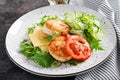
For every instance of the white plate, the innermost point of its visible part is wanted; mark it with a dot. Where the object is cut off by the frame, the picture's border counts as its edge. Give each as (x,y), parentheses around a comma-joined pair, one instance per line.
(18,31)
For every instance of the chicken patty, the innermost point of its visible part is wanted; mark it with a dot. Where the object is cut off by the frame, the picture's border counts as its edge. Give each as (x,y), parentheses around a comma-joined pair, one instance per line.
(52,26)
(56,49)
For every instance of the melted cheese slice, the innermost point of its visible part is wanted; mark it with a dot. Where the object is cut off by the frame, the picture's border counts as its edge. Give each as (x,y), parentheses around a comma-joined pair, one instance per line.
(37,39)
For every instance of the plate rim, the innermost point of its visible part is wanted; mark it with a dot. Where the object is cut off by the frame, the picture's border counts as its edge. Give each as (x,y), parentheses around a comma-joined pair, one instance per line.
(60,75)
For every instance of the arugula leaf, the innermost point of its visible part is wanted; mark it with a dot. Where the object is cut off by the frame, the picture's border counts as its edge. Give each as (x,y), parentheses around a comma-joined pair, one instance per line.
(35,54)
(43,59)
(26,48)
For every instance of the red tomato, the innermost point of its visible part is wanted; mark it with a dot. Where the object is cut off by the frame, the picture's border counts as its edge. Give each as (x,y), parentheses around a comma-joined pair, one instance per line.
(77,47)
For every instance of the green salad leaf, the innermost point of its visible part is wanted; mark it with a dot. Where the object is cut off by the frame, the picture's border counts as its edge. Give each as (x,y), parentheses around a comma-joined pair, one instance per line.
(94,43)
(85,25)
(26,48)
(45,18)
(42,58)
(35,54)
(73,21)
(30,30)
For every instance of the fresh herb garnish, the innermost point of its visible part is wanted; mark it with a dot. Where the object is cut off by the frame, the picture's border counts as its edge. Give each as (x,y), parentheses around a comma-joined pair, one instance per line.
(26,48)
(35,54)
(30,30)
(49,37)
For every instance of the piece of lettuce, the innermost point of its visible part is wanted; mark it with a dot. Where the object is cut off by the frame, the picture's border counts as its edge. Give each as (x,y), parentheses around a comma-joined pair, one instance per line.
(35,54)
(85,24)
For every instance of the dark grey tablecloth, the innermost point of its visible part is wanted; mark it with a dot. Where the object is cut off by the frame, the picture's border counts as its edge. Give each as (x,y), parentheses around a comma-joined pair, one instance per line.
(10,10)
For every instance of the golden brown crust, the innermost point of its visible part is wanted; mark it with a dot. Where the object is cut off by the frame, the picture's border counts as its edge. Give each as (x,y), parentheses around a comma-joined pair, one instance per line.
(56,49)
(57,25)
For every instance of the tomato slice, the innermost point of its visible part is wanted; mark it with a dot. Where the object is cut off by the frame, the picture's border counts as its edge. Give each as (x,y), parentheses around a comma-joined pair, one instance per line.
(77,47)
